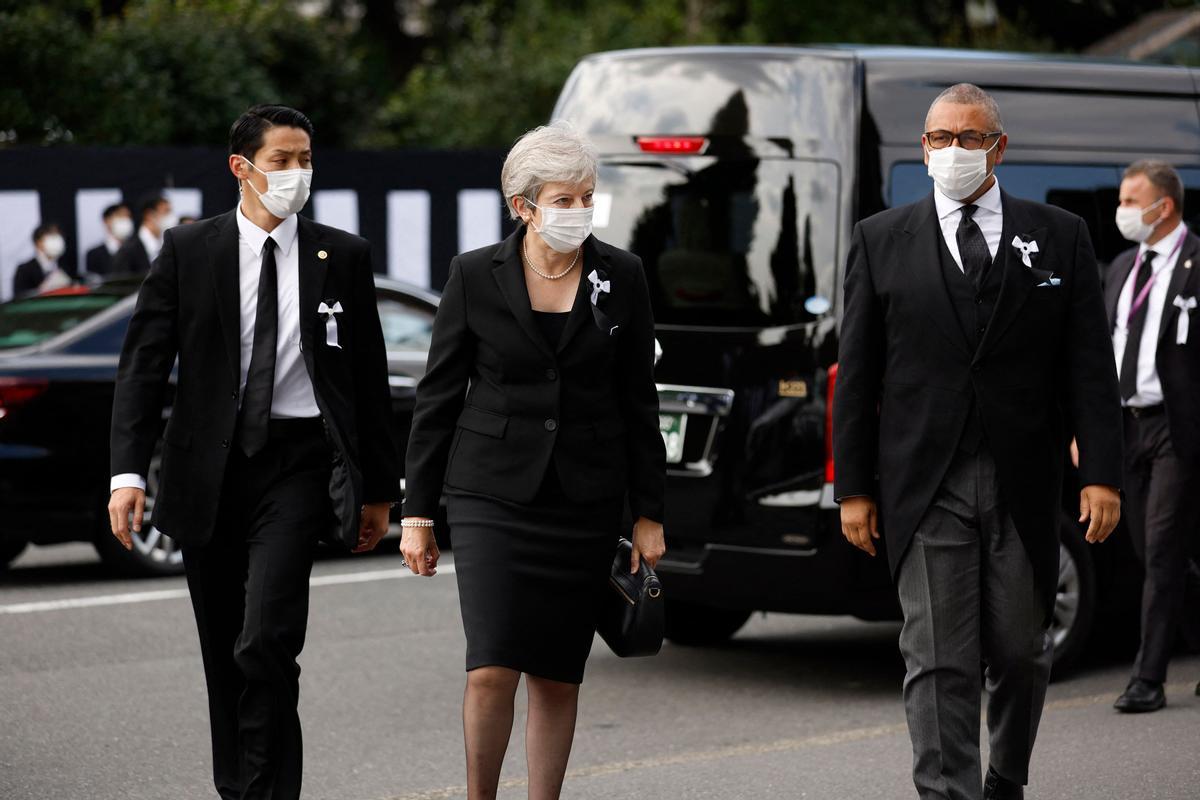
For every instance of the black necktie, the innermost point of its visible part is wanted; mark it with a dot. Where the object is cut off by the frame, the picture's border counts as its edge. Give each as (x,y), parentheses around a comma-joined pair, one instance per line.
(1137,322)
(260,380)
(972,247)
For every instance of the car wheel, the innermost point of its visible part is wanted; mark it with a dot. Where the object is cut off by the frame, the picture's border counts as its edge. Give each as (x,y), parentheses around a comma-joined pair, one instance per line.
(154,553)
(10,549)
(698,625)
(1074,600)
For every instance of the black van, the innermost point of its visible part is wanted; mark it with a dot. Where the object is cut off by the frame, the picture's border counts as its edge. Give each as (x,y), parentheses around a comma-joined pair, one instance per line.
(737,173)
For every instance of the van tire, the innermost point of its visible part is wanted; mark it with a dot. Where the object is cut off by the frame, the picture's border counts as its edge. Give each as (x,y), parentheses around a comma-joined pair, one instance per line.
(697,625)
(1075,598)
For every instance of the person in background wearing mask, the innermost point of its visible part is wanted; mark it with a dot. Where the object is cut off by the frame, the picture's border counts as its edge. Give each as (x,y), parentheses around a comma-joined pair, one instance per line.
(1151,292)
(973,346)
(118,227)
(138,252)
(538,415)
(42,273)
(281,429)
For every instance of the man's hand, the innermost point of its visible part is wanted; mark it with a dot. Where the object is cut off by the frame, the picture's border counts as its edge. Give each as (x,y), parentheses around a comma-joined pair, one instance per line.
(122,504)
(860,523)
(419,549)
(648,543)
(1101,505)
(372,526)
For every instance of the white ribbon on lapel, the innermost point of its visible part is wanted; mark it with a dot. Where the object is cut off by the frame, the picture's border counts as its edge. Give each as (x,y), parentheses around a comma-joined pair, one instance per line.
(1025,249)
(1185,306)
(331,326)
(598,286)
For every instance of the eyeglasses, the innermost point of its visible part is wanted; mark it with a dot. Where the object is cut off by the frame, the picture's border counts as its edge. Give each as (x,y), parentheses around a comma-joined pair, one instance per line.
(967,140)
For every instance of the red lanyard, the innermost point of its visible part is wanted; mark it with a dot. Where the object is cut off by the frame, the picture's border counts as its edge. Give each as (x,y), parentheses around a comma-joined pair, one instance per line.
(1140,300)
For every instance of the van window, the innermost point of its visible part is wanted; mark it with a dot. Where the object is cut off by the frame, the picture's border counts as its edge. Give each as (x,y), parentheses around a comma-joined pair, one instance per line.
(726,242)
(1087,190)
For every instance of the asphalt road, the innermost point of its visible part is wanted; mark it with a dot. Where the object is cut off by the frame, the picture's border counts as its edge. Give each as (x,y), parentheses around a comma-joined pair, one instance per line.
(102,696)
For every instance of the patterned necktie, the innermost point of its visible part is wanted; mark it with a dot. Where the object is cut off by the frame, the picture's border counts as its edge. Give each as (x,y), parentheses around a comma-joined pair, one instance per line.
(972,247)
(260,379)
(1137,323)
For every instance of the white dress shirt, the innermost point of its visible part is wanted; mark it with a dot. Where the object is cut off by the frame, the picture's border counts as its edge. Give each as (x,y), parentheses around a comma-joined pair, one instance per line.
(989,216)
(293,394)
(112,244)
(152,243)
(1149,387)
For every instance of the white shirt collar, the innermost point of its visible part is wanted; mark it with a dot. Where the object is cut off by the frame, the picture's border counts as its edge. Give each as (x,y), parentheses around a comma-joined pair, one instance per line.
(111,243)
(1165,245)
(990,201)
(45,262)
(151,242)
(254,236)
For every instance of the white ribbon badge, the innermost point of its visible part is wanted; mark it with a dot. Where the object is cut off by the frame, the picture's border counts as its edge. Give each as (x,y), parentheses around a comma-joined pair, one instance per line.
(331,325)
(1025,249)
(1185,306)
(598,286)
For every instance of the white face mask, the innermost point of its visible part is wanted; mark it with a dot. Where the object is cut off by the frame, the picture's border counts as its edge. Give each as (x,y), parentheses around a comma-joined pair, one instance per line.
(564,229)
(122,228)
(53,246)
(287,190)
(167,221)
(1129,222)
(959,172)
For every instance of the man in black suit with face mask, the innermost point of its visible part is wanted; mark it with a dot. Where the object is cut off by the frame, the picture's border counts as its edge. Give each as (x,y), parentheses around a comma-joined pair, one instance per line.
(280,433)
(973,346)
(1151,292)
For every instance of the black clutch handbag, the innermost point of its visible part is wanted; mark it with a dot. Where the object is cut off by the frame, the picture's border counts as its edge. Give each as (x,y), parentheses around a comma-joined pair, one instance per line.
(632,618)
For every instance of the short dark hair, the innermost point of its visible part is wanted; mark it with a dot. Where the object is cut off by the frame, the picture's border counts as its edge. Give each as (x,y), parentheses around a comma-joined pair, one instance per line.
(44,229)
(246,135)
(148,203)
(113,209)
(1162,176)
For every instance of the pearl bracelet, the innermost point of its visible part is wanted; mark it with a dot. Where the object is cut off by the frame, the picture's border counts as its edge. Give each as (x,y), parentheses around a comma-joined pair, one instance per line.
(416,523)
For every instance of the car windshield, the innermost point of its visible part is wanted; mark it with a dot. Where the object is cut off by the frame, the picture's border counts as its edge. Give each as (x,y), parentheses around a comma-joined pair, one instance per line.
(33,320)
(726,242)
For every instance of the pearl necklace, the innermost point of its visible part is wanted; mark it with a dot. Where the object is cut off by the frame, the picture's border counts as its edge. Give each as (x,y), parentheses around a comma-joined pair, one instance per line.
(563,274)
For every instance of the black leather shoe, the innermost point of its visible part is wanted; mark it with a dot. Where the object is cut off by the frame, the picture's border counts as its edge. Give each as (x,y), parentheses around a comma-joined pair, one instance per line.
(997,788)
(1141,696)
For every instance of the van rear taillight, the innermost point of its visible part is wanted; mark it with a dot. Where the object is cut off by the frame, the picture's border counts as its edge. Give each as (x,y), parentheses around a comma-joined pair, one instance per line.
(676,145)
(16,392)
(829,386)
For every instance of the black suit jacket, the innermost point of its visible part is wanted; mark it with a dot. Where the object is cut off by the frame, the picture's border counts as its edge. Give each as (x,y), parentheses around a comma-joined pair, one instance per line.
(189,307)
(906,377)
(28,278)
(1178,365)
(99,261)
(132,258)
(497,405)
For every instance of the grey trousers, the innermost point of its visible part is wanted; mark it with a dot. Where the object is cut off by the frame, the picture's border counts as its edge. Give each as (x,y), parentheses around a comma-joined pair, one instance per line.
(967,590)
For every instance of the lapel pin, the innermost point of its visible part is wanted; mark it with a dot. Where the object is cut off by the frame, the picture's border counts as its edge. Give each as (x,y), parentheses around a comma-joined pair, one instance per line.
(321,254)
(1187,264)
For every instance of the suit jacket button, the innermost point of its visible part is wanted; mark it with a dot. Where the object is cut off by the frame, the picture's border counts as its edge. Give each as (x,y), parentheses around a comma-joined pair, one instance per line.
(225,443)
(551,375)
(234,394)
(976,368)
(551,425)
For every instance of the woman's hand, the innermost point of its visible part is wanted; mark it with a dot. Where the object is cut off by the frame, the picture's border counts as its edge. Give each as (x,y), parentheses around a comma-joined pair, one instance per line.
(419,548)
(648,543)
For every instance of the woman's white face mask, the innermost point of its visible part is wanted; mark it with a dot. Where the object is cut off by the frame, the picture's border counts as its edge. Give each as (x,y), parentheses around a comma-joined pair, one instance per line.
(287,190)
(563,229)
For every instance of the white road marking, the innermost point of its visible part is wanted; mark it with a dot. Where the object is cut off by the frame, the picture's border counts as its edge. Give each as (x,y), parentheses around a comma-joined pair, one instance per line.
(96,601)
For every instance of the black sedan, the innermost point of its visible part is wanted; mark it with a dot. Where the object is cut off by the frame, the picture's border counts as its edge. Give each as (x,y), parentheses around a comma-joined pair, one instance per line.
(58,363)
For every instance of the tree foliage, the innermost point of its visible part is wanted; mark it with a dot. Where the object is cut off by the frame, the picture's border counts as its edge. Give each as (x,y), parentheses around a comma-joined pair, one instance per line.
(428,73)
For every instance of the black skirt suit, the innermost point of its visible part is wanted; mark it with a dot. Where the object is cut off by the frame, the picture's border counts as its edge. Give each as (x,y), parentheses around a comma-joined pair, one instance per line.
(538,427)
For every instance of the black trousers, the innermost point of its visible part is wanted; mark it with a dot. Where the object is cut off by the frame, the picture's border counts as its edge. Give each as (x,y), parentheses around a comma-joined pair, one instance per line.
(1162,509)
(249,589)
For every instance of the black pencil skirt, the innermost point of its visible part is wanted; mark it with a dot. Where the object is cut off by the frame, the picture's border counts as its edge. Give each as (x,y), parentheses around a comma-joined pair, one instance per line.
(531,578)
